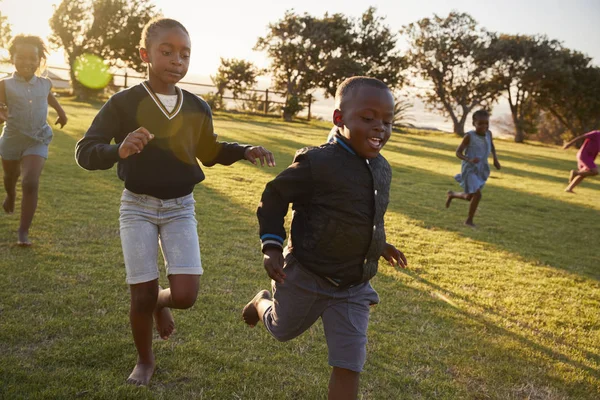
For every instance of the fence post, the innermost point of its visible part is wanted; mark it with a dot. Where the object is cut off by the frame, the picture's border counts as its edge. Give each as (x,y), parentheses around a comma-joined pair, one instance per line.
(266,102)
(125,83)
(309,104)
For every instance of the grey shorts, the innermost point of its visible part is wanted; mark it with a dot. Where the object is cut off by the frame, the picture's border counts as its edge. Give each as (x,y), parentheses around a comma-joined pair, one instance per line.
(16,146)
(304,297)
(145,223)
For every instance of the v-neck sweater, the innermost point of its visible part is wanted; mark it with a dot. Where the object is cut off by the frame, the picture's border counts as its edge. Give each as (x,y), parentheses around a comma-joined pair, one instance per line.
(168,166)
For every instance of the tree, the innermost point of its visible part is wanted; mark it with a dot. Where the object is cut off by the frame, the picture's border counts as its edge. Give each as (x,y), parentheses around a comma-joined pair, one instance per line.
(522,66)
(235,75)
(110,29)
(370,49)
(453,53)
(5,30)
(298,46)
(570,92)
(307,53)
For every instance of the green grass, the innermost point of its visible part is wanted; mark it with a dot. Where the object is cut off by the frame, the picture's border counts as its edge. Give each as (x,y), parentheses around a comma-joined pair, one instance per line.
(506,311)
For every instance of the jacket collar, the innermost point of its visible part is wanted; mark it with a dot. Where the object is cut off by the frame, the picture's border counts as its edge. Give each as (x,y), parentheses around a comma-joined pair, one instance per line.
(336,137)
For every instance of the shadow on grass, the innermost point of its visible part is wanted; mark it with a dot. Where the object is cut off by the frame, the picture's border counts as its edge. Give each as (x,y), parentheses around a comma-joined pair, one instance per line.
(539,229)
(440,344)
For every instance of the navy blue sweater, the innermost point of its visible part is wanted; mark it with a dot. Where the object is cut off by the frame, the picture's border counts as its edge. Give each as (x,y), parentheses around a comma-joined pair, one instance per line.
(168,166)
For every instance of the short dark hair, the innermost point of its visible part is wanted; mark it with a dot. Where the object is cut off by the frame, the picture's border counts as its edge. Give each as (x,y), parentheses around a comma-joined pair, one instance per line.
(349,85)
(154,25)
(480,114)
(35,41)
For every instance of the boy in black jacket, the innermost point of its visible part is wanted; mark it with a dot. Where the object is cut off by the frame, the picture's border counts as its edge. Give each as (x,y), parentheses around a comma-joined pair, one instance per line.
(339,193)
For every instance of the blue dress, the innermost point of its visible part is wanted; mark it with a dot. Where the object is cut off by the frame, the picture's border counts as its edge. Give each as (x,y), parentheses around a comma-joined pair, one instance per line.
(472,177)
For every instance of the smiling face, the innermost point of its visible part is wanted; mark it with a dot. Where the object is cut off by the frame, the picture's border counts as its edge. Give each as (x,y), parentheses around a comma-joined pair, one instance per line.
(168,58)
(26,60)
(365,118)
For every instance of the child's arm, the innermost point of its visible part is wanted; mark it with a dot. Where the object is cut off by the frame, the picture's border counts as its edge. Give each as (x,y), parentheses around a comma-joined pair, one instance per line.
(211,152)
(496,162)
(460,151)
(94,150)
(62,116)
(293,185)
(391,254)
(572,142)
(3,105)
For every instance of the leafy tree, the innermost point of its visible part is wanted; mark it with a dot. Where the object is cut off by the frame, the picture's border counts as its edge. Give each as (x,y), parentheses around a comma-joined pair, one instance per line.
(370,50)
(570,92)
(298,46)
(523,64)
(235,75)
(5,30)
(110,29)
(307,53)
(454,54)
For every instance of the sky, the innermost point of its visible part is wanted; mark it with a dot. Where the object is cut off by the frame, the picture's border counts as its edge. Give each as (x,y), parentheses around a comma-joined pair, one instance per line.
(231,28)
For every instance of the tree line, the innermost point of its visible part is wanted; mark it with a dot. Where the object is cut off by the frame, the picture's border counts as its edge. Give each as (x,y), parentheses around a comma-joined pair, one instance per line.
(464,65)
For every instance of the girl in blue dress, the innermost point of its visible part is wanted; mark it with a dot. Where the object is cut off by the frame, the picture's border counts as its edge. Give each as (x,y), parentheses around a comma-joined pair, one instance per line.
(475,170)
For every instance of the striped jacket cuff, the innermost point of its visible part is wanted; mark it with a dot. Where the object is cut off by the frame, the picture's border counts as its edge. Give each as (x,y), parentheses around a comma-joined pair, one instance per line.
(269,240)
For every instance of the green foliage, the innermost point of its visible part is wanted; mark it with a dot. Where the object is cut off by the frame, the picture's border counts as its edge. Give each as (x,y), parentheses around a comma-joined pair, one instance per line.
(522,66)
(402,116)
(570,92)
(235,75)
(308,52)
(214,100)
(454,55)
(5,30)
(110,29)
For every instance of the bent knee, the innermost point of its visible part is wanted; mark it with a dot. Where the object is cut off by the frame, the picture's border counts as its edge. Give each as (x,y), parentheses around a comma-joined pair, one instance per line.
(183,300)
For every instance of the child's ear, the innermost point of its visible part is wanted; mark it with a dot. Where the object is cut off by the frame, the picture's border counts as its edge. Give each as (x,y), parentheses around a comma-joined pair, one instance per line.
(144,55)
(338,119)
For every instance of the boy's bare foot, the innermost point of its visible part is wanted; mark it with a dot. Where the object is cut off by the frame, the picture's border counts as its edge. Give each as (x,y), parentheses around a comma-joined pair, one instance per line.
(9,204)
(470,224)
(141,374)
(23,240)
(569,191)
(449,194)
(250,312)
(571,175)
(164,322)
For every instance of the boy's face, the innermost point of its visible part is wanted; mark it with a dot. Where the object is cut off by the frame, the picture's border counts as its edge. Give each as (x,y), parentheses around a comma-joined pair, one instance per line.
(481,125)
(365,118)
(168,57)
(26,60)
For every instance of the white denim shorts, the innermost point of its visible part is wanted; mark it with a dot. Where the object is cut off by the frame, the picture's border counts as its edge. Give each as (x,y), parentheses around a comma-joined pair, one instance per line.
(146,222)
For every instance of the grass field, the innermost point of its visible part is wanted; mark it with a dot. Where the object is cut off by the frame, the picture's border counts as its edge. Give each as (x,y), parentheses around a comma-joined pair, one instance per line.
(510,310)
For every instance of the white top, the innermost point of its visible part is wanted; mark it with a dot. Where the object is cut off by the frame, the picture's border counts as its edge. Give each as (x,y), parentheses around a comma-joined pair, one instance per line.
(168,100)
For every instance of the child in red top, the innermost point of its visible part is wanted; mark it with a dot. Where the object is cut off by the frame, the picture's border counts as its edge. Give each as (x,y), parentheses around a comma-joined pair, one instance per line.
(585,158)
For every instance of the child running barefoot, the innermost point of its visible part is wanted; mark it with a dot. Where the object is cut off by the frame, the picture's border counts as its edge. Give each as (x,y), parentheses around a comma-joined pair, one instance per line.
(585,159)
(474,151)
(24,100)
(160,133)
(339,193)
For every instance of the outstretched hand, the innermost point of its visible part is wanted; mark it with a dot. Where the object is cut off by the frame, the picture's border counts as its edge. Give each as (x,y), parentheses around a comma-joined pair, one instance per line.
(259,152)
(135,142)
(391,254)
(273,262)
